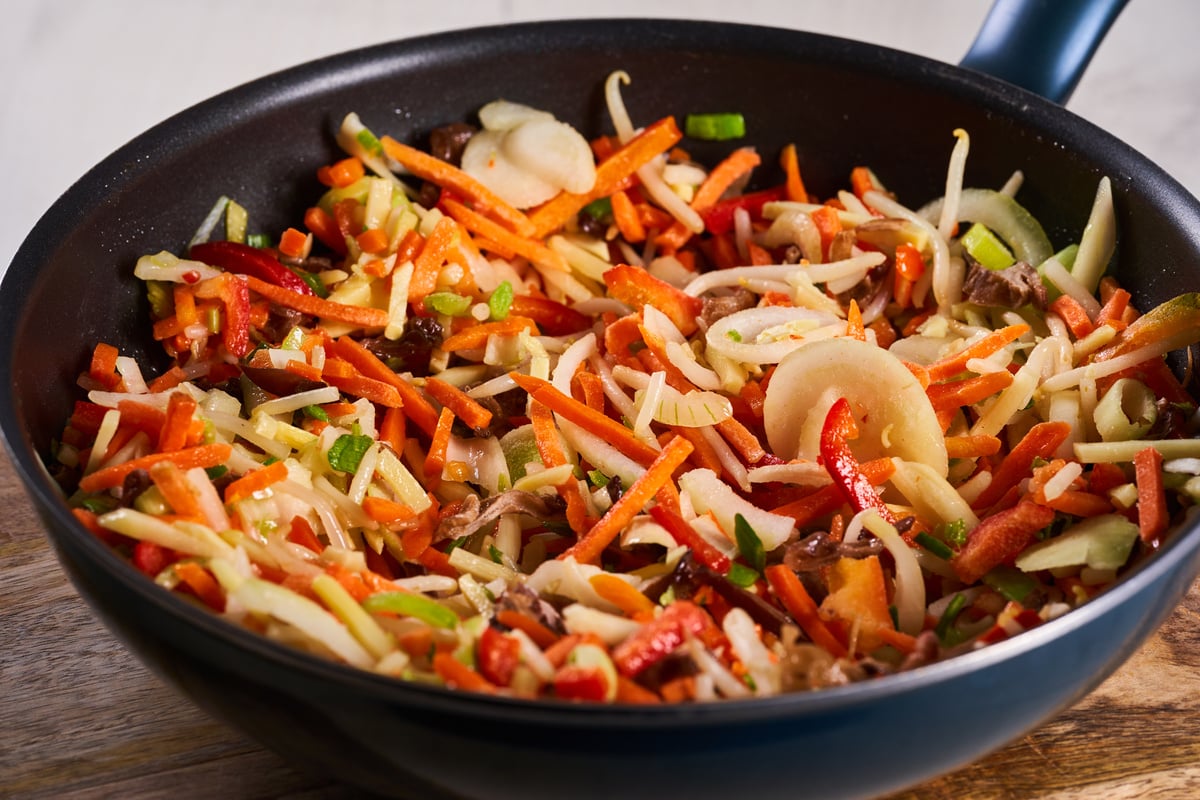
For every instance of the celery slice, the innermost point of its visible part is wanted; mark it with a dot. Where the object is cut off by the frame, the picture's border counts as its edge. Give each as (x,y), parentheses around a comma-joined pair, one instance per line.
(986,248)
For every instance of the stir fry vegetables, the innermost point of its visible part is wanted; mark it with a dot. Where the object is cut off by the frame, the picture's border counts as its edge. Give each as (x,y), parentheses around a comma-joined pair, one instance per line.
(529,414)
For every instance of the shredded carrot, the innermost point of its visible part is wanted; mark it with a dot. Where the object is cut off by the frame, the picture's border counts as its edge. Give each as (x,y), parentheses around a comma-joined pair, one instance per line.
(542,636)
(1113,311)
(588,548)
(310,304)
(854,322)
(800,605)
(703,454)
(373,241)
(1077,503)
(464,407)
(458,675)
(255,481)
(202,584)
(742,439)
(966,392)
(593,390)
(180,409)
(791,171)
(829,225)
(601,425)
(621,594)
(175,489)
(722,176)
(294,243)
(1073,314)
(476,336)
(550,451)
(387,511)
(416,407)
(628,691)
(862,181)
(392,429)
(435,459)
(626,217)
(341,173)
(450,177)
(972,446)
(1040,442)
(209,455)
(989,344)
(303,369)
(1152,499)
(168,380)
(367,388)
(999,537)
(610,174)
(103,368)
(428,263)
(531,249)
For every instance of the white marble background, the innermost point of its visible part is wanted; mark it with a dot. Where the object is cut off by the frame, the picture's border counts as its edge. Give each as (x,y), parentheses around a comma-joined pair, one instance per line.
(79,78)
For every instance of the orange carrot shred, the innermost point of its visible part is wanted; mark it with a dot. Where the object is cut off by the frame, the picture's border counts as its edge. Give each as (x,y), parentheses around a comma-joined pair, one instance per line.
(180,409)
(175,489)
(588,548)
(791,170)
(1152,500)
(208,455)
(255,481)
(800,605)
(989,344)
(626,217)
(463,406)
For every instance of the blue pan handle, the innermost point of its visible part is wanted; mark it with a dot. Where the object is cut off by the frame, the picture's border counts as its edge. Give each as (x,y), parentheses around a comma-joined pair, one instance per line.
(1042,45)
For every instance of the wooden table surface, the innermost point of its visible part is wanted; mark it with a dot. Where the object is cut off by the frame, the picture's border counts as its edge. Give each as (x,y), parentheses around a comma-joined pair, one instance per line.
(80,717)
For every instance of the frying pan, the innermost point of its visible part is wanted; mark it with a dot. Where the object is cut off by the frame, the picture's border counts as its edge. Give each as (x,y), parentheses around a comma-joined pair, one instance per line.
(844,104)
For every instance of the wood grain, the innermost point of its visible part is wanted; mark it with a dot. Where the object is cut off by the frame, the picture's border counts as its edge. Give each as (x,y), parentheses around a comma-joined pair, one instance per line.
(81,718)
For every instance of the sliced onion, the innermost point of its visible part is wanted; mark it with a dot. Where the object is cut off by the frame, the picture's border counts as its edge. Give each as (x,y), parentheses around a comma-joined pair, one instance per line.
(749,324)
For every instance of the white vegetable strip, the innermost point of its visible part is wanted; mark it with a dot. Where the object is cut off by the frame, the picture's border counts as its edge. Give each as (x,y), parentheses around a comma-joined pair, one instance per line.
(947,280)
(954,184)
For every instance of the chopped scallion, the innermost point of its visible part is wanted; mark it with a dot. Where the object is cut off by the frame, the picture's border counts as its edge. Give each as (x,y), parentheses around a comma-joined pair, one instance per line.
(934,545)
(315,412)
(347,451)
(259,240)
(741,575)
(957,603)
(448,303)
(715,127)
(500,301)
(749,544)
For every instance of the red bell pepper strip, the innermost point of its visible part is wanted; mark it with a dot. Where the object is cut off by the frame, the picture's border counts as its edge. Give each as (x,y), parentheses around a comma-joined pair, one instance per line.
(657,639)
(234,294)
(686,535)
(246,260)
(552,317)
(999,538)
(576,682)
(843,467)
(636,287)
(718,219)
(151,559)
(499,654)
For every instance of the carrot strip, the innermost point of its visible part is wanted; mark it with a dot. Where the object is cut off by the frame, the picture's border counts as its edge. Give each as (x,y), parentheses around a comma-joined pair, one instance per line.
(341,173)
(998,538)
(367,388)
(361,316)
(829,225)
(854,322)
(448,176)
(392,429)
(588,548)
(972,446)
(476,336)
(1077,503)
(373,241)
(626,217)
(628,691)
(175,489)
(1040,442)
(1113,311)
(255,481)
(742,439)
(954,364)
(140,416)
(416,407)
(202,584)
(722,176)
(621,594)
(387,511)
(208,455)
(180,410)
(542,636)
(531,249)
(610,174)
(593,390)
(303,369)
(429,260)
(103,368)
(791,171)
(968,391)
(703,453)
(605,427)
(168,380)
(458,675)
(800,605)
(464,407)
(550,450)
(435,459)
(1073,314)
(1152,499)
